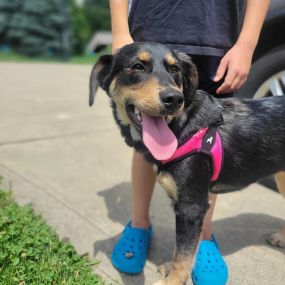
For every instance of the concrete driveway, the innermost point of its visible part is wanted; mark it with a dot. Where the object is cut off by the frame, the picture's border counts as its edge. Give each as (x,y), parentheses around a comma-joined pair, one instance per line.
(70,162)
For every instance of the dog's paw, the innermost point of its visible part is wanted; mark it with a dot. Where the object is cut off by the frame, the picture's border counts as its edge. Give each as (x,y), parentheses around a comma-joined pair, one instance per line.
(161,282)
(277,239)
(164,269)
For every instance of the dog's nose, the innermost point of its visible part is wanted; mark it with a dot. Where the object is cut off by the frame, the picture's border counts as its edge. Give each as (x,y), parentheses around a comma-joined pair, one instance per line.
(172,101)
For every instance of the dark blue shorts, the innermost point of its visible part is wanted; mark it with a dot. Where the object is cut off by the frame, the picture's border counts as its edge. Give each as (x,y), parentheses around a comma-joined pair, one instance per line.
(207,67)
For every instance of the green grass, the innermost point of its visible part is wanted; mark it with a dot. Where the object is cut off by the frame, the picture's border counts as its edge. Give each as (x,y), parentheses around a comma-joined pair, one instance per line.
(32,254)
(83,59)
(86,59)
(76,59)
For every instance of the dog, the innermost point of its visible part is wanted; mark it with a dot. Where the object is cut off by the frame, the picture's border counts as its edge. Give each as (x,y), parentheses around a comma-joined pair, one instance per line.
(157,106)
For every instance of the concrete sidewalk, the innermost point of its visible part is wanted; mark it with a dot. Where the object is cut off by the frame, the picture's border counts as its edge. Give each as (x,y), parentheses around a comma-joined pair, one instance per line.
(71,163)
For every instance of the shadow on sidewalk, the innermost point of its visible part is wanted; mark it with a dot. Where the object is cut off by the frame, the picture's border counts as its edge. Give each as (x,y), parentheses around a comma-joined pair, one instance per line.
(236,233)
(232,233)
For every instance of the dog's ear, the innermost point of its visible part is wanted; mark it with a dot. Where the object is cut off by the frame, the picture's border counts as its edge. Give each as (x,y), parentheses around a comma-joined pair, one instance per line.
(190,78)
(99,76)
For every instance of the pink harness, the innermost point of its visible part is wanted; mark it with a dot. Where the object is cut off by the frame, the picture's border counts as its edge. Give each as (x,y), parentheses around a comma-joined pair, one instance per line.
(207,141)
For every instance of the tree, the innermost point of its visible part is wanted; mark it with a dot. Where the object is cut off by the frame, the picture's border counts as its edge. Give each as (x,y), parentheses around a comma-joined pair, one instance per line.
(80,28)
(31,27)
(94,15)
(98,14)
(38,27)
(7,8)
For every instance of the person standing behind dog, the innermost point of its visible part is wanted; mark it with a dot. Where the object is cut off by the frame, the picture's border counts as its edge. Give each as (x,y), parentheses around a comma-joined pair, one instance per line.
(220,36)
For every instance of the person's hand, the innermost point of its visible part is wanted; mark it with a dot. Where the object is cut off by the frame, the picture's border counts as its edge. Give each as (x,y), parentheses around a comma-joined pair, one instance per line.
(120,41)
(235,64)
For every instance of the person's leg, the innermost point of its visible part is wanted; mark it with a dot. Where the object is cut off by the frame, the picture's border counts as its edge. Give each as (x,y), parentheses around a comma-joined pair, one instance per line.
(208,250)
(207,224)
(207,66)
(130,252)
(143,180)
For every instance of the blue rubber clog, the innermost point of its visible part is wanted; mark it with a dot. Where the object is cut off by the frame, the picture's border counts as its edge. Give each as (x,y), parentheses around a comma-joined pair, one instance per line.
(130,252)
(209,267)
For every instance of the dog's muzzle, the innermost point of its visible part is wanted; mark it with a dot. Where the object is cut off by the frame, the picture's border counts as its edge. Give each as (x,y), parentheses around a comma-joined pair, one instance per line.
(171,100)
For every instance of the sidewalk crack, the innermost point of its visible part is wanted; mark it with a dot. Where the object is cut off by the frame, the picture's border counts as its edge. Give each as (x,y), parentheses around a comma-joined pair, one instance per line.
(68,206)
(30,140)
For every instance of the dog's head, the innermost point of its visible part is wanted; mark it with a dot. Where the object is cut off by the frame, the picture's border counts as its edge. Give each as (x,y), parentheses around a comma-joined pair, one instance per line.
(150,85)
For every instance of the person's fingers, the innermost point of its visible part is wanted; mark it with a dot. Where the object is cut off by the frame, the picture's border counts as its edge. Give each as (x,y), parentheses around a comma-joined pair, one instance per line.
(226,86)
(221,69)
(237,83)
(223,88)
(244,80)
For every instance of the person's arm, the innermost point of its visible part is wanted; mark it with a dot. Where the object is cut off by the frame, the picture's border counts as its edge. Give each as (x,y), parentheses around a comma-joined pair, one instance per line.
(238,59)
(120,26)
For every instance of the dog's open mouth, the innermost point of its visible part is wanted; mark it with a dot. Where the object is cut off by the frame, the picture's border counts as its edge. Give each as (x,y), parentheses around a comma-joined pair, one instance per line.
(134,115)
(157,136)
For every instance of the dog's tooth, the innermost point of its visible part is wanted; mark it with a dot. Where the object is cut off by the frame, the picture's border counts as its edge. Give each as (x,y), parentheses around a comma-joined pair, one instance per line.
(137,112)
(169,119)
(139,117)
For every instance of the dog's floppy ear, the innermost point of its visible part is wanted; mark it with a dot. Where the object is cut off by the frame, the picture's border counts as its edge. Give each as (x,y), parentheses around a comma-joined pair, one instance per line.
(190,78)
(99,75)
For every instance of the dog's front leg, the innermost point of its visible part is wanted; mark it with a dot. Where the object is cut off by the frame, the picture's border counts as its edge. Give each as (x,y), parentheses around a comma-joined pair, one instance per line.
(189,220)
(188,229)
(190,209)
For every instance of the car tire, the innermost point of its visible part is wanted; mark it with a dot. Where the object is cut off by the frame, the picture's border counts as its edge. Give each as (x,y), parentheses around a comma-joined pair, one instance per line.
(265,67)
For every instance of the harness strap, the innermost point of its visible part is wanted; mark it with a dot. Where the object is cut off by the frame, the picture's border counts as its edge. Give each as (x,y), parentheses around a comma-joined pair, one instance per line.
(206,141)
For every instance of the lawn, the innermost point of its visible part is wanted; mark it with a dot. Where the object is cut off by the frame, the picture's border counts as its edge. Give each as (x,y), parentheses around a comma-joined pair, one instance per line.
(82,59)
(32,254)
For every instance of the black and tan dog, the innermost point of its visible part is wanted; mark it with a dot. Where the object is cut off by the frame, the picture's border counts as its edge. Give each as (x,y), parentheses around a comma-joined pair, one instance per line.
(155,103)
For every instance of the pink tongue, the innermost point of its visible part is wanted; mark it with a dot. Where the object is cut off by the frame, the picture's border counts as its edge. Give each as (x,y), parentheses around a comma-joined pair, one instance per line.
(158,137)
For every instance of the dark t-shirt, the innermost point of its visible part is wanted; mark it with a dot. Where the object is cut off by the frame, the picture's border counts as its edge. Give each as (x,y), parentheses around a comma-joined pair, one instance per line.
(203,27)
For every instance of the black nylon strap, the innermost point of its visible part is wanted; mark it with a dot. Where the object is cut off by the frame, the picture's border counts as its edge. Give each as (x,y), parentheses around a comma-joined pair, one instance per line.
(209,140)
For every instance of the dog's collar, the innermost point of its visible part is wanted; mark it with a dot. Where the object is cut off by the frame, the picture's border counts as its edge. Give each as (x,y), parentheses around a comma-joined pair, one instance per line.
(206,141)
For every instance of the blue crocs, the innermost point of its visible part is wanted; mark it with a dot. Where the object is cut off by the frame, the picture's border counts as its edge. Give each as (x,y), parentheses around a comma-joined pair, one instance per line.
(130,252)
(210,267)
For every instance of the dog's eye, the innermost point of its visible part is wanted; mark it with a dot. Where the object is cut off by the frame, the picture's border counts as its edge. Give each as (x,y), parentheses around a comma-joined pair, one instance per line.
(138,66)
(174,69)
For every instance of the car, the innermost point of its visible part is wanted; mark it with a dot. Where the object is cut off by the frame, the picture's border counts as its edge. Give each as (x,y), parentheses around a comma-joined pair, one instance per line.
(267,74)
(99,41)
